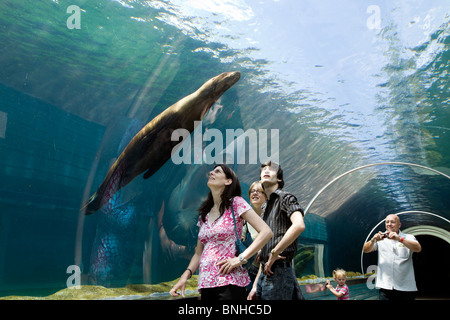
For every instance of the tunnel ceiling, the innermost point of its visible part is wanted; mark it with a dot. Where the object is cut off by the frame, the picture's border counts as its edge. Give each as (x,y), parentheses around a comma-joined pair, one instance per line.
(343,88)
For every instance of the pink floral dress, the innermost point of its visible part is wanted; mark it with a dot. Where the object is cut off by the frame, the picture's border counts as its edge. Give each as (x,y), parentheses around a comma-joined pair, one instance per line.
(218,239)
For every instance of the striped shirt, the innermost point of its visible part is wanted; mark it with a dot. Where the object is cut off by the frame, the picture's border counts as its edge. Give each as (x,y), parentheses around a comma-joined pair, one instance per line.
(277,212)
(344,290)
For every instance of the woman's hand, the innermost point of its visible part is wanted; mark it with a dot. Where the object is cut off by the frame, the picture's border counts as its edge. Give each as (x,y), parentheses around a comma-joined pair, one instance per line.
(180,285)
(228,265)
(252,294)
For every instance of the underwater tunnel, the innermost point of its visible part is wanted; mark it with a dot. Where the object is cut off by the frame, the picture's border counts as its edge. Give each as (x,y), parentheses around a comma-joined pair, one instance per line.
(352,100)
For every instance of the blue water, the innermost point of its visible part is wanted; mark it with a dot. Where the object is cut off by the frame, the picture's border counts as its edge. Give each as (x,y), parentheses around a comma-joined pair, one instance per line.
(346,83)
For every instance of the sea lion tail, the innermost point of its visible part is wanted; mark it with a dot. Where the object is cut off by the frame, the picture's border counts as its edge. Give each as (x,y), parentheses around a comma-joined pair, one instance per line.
(112,183)
(93,204)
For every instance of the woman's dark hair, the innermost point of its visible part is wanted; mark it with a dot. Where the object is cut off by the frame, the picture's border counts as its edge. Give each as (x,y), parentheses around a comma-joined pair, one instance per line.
(230,191)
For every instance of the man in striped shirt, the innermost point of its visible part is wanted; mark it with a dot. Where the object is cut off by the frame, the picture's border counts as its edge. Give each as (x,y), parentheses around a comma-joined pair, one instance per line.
(283,214)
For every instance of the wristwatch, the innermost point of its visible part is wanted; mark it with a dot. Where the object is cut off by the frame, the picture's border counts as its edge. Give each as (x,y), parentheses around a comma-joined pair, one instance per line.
(272,252)
(242,259)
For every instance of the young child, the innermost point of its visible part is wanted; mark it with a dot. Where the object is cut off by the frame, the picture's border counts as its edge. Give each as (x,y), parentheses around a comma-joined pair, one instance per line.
(341,292)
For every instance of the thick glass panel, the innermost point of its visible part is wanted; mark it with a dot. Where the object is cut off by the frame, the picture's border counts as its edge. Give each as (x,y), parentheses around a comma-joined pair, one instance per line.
(326,88)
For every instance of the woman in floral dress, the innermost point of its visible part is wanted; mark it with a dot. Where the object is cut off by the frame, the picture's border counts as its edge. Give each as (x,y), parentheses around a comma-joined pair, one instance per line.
(221,275)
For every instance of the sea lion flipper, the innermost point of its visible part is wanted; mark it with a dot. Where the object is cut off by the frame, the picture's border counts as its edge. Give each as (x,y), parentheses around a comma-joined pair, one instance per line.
(148,174)
(92,205)
(112,183)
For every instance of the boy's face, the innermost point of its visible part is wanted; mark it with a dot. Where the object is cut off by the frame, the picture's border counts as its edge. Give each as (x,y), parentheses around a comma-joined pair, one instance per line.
(269,176)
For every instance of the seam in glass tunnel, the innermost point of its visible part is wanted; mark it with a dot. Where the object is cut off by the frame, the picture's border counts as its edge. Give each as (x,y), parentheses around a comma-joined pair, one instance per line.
(81,215)
(372,165)
(135,105)
(426,230)
(367,166)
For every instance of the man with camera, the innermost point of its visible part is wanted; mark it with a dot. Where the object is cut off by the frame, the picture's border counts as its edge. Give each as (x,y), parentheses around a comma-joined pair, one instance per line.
(395,272)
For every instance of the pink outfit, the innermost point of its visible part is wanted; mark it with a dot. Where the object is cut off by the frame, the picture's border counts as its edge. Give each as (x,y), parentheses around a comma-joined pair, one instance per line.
(344,290)
(218,239)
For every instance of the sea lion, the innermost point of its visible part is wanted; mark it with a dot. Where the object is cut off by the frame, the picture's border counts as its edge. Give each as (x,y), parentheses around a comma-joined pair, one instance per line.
(151,147)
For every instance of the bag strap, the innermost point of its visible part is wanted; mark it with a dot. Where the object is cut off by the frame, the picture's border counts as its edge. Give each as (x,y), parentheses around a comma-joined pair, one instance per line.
(234,219)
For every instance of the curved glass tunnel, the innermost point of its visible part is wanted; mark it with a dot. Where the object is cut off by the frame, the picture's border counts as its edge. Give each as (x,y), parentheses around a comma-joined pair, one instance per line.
(325,88)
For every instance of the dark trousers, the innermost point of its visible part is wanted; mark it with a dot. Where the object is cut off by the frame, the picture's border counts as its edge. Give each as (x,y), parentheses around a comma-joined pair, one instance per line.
(229,292)
(385,294)
(281,285)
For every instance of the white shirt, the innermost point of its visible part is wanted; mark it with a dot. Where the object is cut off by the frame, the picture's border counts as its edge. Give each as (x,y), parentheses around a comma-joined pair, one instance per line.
(395,266)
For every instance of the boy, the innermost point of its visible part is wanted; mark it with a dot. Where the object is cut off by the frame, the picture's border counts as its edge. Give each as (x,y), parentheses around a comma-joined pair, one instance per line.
(283,214)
